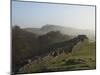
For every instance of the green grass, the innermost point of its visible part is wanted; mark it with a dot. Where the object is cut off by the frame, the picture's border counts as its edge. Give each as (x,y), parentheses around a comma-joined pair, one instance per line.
(82,57)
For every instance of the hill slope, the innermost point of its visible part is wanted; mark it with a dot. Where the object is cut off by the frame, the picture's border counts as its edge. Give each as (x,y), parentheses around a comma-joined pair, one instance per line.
(64,30)
(82,57)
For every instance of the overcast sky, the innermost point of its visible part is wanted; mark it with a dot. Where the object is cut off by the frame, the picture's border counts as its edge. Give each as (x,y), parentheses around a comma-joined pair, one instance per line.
(30,14)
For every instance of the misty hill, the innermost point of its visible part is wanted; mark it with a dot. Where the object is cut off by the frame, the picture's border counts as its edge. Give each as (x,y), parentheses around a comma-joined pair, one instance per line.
(65,30)
(26,45)
(34,30)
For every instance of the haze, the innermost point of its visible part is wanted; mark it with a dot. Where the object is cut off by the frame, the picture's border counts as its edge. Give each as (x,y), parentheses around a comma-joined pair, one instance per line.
(36,15)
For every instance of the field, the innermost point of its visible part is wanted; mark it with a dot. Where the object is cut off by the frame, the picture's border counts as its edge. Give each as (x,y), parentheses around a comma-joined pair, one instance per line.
(81,58)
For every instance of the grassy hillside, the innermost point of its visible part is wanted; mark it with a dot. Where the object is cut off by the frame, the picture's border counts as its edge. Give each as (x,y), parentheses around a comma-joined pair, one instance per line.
(82,57)
(86,49)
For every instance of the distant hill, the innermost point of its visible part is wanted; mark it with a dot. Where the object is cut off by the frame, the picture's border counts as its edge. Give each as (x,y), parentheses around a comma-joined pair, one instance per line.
(34,30)
(65,30)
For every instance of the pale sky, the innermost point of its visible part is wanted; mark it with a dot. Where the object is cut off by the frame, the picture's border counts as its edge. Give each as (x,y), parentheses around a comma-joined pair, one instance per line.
(36,15)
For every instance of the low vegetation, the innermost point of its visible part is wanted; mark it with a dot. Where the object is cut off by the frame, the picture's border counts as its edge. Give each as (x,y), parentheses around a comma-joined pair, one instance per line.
(48,52)
(81,59)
